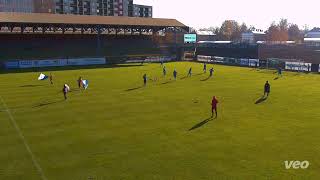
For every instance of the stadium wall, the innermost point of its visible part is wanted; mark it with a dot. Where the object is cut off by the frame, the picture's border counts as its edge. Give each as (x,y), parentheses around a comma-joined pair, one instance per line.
(228,50)
(291,57)
(23,64)
(304,53)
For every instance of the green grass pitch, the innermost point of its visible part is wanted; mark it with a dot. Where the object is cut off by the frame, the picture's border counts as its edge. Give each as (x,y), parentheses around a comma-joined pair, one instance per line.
(118,130)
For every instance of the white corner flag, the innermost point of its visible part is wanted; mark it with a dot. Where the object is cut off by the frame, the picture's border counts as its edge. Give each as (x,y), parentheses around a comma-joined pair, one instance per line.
(42,77)
(85,83)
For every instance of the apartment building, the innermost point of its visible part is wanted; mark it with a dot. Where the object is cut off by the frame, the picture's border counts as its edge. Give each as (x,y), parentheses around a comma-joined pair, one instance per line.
(25,6)
(142,10)
(78,7)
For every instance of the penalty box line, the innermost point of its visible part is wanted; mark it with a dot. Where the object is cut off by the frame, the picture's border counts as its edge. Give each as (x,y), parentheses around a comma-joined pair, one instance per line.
(14,123)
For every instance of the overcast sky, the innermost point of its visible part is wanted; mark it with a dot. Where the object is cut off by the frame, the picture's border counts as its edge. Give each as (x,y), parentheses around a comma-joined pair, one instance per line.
(259,13)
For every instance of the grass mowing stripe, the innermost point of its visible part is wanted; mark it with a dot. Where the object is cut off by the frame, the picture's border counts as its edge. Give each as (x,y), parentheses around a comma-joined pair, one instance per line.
(35,162)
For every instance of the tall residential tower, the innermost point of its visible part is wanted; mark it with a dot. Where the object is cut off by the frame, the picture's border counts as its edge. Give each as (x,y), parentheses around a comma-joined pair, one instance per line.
(78,7)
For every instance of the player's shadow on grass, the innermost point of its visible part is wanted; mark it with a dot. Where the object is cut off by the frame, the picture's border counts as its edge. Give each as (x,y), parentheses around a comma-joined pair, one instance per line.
(167,82)
(206,79)
(201,124)
(72,91)
(276,78)
(136,88)
(75,90)
(47,104)
(198,74)
(31,85)
(261,100)
(188,76)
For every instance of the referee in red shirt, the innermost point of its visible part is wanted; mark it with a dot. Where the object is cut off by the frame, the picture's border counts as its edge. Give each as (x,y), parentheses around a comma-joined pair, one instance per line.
(214,103)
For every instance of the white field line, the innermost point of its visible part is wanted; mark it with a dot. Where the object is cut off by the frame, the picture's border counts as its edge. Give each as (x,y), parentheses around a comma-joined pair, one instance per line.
(14,123)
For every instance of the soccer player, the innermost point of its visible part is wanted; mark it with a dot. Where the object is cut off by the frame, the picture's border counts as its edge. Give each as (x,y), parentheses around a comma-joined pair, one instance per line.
(80,82)
(204,67)
(145,79)
(211,72)
(175,73)
(279,71)
(214,103)
(190,72)
(164,71)
(51,78)
(65,91)
(267,89)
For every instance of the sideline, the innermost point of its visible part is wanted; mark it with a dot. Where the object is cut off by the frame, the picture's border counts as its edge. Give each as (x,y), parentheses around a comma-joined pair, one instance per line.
(14,123)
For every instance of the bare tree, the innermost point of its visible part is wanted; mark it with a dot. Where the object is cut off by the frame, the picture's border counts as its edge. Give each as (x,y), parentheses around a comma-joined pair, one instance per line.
(192,30)
(295,34)
(243,28)
(210,29)
(284,26)
(278,32)
(230,30)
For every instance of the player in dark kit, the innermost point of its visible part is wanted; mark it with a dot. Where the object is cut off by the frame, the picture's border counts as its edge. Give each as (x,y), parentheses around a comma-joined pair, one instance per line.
(145,79)
(175,73)
(279,71)
(267,89)
(204,67)
(214,103)
(51,78)
(211,72)
(190,72)
(80,82)
(164,71)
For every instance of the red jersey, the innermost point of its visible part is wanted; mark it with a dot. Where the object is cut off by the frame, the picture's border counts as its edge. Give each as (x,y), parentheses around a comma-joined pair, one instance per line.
(214,103)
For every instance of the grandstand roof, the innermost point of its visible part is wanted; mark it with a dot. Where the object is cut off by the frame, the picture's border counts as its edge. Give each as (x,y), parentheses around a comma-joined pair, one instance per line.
(37,18)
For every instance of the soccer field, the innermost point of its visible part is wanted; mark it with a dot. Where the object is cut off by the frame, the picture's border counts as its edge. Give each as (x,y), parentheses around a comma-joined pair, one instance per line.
(119,130)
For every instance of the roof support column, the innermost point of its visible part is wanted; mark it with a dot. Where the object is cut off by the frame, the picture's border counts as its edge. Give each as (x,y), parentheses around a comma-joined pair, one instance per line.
(63,29)
(22,28)
(44,29)
(98,40)
(11,27)
(175,41)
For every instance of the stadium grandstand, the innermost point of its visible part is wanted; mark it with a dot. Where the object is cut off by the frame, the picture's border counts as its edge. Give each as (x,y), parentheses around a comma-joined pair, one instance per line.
(29,36)
(42,36)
